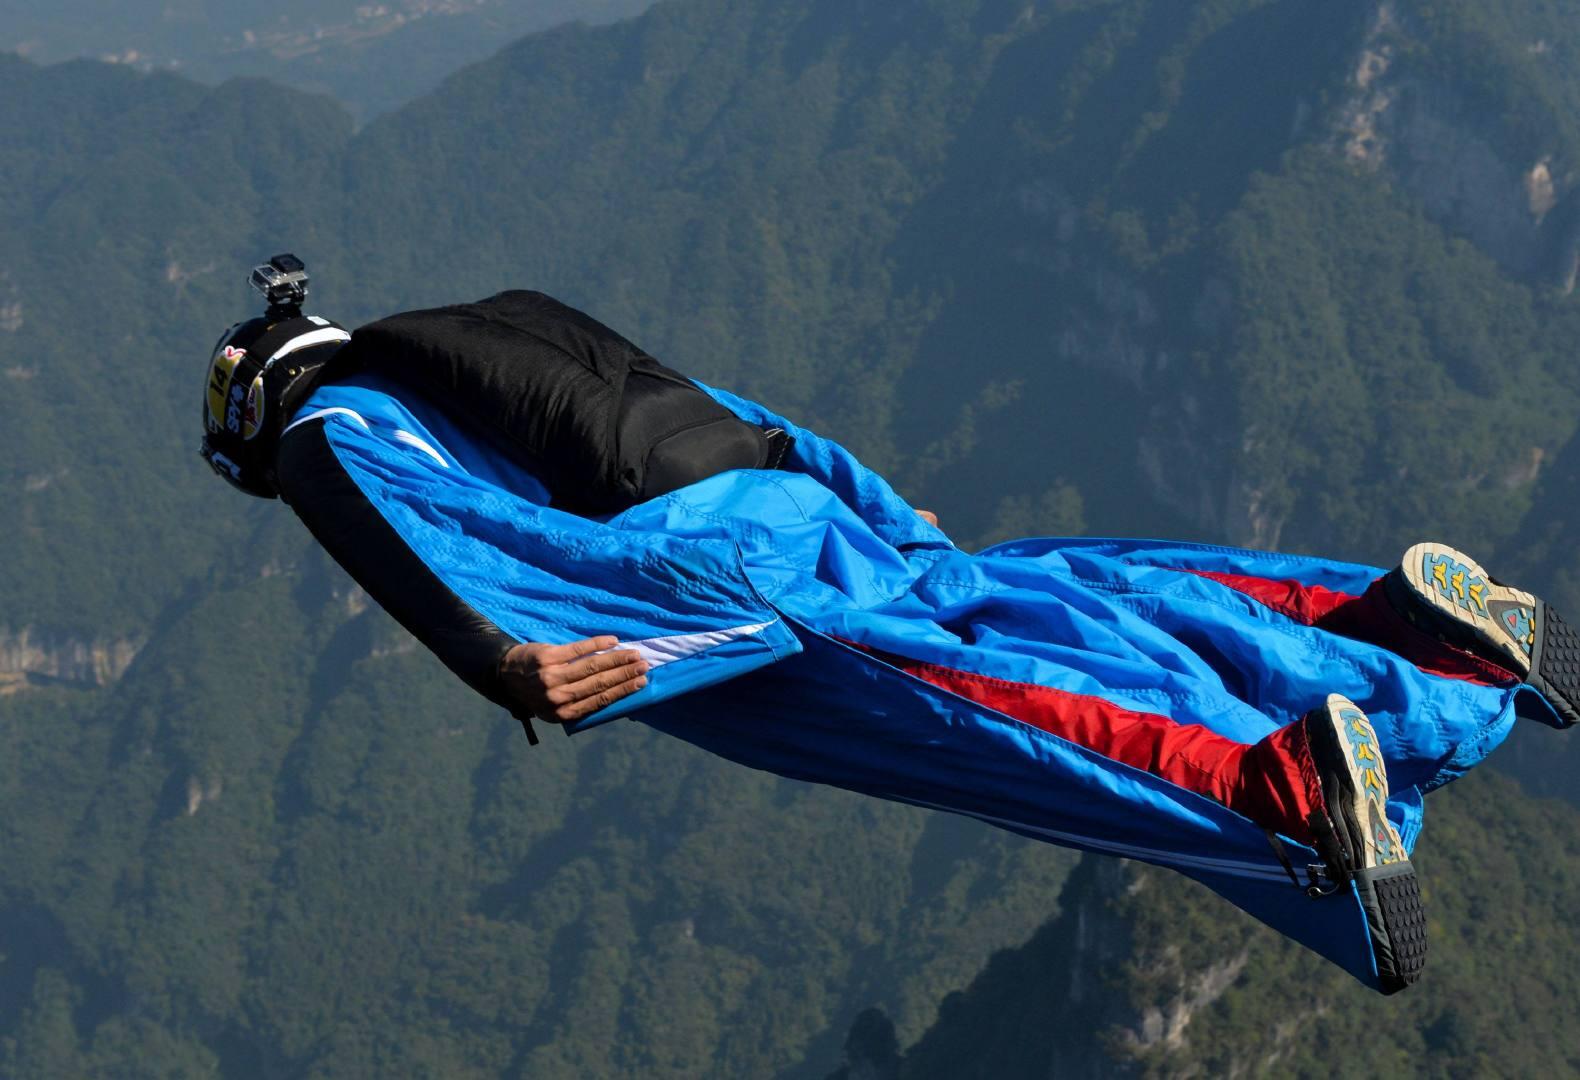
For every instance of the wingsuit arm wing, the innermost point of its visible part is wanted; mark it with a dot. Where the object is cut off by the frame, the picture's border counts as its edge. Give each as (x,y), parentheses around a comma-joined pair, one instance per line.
(351,529)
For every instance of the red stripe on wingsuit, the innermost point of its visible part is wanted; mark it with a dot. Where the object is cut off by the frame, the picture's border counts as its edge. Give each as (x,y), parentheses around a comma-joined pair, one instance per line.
(1264,783)
(1369,617)
(1303,603)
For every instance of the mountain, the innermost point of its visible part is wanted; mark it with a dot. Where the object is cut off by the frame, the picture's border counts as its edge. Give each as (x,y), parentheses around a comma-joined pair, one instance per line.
(1244,271)
(344,865)
(1140,975)
(371,57)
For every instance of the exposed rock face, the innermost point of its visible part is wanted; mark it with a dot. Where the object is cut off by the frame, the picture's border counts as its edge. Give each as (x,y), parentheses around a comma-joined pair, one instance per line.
(199,792)
(1540,191)
(26,657)
(1065,1004)
(1103,946)
(1419,132)
(33,483)
(1428,138)
(1164,1025)
(10,305)
(1435,150)
(1360,117)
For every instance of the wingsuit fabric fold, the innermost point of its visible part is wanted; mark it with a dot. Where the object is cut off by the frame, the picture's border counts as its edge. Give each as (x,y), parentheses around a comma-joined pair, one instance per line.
(773,604)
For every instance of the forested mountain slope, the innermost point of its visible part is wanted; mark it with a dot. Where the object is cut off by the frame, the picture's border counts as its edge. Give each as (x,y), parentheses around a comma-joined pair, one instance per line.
(1139,976)
(1232,270)
(371,57)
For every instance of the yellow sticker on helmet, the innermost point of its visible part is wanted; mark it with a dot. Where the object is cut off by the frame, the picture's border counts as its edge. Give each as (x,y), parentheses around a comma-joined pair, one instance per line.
(233,408)
(219,379)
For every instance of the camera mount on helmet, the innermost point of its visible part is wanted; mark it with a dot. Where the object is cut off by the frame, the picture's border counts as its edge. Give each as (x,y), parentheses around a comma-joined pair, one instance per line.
(283,282)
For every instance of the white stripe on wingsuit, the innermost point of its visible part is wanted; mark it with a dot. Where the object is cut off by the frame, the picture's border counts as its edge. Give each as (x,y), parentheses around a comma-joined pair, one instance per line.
(308,340)
(319,414)
(1232,867)
(412,440)
(659,651)
(400,436)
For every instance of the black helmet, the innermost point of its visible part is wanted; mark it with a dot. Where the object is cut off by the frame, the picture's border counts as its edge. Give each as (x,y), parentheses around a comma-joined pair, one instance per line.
(261,370)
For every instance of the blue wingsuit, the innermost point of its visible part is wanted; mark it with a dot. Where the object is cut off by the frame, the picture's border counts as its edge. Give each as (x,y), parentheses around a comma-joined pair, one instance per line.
(769,602)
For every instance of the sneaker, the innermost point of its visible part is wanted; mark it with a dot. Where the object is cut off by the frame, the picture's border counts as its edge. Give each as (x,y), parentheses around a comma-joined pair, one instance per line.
(1357,842)
(1447,594)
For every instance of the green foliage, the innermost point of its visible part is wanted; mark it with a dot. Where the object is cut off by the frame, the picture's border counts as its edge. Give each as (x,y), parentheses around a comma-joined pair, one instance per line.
(1056,512)
(344,865)
(1054,267)
(1378,362)
(1517,64)
(1135,950)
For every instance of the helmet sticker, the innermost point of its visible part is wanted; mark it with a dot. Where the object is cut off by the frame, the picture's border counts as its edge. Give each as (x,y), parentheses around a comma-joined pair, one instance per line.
(252,412)
(219,388)
(232,407)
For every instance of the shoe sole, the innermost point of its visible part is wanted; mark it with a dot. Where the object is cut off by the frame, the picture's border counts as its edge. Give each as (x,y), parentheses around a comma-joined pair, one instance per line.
(1385,882)
(1494,616)
(1368,781)
(1513,628)
(1391,897)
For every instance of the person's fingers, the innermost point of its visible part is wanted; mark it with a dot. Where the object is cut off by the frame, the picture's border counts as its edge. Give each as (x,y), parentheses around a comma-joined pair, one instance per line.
(598,698)
(576,671)
(596,684)
(575,650)
(928,516)
(564,683)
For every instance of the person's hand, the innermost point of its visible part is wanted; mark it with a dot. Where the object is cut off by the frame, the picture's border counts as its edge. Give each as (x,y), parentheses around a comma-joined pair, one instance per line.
(564,683)
(929,517)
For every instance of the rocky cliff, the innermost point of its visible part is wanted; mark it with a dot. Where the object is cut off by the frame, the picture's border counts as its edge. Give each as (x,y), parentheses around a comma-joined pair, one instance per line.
(28,658)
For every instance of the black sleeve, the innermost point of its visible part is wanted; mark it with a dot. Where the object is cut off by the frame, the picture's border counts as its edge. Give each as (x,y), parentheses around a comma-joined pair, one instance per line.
(357,537)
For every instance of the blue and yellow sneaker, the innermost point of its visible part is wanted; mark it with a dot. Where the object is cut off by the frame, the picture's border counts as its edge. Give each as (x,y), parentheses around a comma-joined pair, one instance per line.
(1357,842)
(1447,594)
